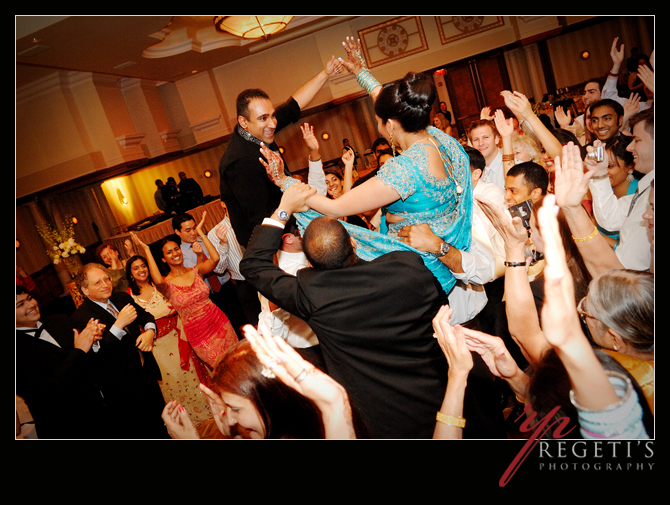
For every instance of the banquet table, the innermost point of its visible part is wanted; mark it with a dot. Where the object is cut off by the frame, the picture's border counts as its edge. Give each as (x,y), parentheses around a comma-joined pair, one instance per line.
(151,234)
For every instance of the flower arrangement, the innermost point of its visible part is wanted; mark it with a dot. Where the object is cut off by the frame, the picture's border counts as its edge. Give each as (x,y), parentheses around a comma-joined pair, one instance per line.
(60,244)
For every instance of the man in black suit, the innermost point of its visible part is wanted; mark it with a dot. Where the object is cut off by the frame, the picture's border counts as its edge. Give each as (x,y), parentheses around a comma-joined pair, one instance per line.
(54,376)
(245,188)
(373,319)
(126,369)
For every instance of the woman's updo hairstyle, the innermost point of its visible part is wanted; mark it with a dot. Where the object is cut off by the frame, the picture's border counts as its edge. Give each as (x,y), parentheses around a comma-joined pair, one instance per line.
(409,101)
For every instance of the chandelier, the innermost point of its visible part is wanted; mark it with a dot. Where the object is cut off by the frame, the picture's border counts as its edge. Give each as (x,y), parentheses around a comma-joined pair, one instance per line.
(251,27)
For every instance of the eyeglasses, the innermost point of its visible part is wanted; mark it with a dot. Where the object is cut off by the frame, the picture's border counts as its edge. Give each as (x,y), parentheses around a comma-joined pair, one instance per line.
(582,313)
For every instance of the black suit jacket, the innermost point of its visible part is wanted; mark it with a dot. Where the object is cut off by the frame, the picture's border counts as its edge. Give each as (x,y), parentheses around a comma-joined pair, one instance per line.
(245,187)
(374,324)
(130,388)
(58,384)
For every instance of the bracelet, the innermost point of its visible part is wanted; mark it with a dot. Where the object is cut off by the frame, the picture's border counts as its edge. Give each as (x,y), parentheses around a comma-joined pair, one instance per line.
(599,177)
(515,263)
(508,157)
(594,233)
(367,81)
(458,422)
(313,161)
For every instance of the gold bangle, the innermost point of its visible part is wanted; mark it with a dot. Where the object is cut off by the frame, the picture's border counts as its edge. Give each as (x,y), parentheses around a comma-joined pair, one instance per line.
(508,157)
(586,239)
(458,422)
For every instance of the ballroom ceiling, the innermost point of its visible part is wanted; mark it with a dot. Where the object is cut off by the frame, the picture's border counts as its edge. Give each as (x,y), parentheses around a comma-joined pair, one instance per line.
(152,48)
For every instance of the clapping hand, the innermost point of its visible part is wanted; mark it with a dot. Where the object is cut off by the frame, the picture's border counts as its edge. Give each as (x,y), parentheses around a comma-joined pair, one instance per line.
(177,421)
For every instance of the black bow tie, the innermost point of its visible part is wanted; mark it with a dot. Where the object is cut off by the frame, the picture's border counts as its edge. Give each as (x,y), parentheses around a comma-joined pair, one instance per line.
(33,333)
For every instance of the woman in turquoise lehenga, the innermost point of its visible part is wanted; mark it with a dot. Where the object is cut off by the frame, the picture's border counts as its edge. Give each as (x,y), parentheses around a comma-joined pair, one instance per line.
(429,182)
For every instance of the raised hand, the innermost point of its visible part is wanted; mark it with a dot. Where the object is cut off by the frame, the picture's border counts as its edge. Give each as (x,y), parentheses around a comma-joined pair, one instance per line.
(571,182)
(309,137)
(283,362)
(354,52)
(177,421)
(646,75)
(452,343)
(504,126)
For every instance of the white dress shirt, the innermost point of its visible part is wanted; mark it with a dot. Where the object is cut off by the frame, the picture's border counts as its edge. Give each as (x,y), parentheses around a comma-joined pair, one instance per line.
(625,216)
(495,172)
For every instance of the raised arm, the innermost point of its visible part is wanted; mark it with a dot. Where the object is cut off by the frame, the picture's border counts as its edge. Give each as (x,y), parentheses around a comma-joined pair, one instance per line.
(209,264)
(570,187)
(306,93)
(156,275)
(315,176)
(505,129)
(522,316)
(522,109)
(590,383)
(372,194)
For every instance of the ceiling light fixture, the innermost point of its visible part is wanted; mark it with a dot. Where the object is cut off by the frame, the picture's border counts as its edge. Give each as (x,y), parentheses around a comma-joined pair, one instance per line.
(251,27)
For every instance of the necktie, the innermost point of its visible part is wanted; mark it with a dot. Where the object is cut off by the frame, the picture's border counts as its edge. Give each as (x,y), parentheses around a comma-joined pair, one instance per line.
(112,310)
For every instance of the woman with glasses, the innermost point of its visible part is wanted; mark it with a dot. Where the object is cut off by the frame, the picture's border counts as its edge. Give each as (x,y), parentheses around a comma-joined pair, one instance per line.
(619,314)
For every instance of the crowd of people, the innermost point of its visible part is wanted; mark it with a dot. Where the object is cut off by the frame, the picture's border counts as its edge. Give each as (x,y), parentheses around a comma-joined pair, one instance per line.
(446,293)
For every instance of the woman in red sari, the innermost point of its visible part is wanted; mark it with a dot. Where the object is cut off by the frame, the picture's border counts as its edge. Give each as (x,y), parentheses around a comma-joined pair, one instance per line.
(207,328)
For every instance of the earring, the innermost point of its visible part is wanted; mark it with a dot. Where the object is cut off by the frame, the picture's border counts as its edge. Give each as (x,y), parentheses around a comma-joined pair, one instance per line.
(630,177)
(615,347)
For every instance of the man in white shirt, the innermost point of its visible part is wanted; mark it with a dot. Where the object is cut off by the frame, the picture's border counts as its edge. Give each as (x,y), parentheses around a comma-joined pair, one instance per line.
(484,137)
(625,214)
(290,258)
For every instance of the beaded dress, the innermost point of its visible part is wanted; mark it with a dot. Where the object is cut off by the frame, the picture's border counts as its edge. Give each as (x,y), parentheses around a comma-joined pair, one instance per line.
(445,204)
(207,328)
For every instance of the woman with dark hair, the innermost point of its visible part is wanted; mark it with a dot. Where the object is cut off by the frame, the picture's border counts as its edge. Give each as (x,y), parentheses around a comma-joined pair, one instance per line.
(338,184)
(207,328)
(181,369)
(621,173)
(428,183)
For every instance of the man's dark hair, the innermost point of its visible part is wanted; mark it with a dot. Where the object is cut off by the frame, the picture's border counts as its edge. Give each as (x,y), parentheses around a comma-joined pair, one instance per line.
(476,158)
(244,98)
(327,244)
(608,102)
(535,176)
(179,219)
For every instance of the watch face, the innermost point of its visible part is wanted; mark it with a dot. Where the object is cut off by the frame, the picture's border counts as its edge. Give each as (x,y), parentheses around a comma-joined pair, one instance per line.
(283,215)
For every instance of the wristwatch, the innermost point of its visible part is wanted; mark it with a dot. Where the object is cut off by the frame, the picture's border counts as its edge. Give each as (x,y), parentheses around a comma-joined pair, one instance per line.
(282,215)
(444,249)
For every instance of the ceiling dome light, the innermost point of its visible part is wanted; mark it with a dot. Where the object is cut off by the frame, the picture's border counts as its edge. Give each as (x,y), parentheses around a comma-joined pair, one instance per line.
(251,27)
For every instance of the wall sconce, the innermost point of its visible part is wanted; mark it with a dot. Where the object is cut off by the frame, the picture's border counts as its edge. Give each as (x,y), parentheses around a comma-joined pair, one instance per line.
(207,174)
(585,55)
(325,136)
(281,150)
(18,244)
(121,197)
(75,220)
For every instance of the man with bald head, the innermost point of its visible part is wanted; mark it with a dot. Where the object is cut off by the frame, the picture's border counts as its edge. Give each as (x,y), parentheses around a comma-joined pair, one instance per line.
(373,320)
